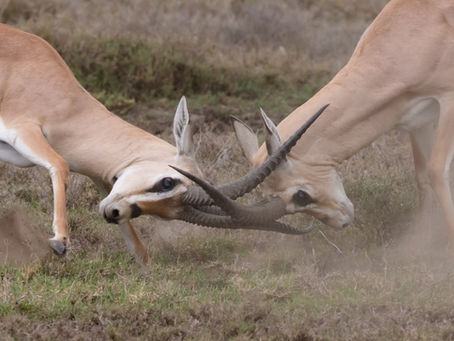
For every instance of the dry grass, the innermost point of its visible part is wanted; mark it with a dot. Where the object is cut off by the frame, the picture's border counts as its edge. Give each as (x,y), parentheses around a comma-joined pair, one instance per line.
(393,276)
(210,284)
(253,32)
(227,49)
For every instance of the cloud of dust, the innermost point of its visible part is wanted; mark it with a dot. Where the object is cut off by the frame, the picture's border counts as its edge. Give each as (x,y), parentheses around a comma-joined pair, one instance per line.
(426,240)
(21,242)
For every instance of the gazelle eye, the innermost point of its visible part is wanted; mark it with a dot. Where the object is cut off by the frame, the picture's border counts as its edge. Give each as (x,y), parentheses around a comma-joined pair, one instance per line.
(301,198)
(164,185)
(167,183)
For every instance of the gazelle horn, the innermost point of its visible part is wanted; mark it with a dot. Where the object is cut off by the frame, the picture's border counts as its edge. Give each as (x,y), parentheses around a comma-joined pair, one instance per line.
(198,217)
(196,197)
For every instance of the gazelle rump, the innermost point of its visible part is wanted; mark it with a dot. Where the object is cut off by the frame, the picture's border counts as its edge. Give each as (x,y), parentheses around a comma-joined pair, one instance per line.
(400,75)
(47,118)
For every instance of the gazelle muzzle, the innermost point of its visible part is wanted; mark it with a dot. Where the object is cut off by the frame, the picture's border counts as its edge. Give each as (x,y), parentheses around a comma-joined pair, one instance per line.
(213,206)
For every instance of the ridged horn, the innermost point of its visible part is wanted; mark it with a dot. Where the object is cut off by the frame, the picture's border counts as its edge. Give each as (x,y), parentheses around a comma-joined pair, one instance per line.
(196,197)
(242,215)
(194,216)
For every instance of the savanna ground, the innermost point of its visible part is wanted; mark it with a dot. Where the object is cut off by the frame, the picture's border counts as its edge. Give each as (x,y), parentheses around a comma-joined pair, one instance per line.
(389,276)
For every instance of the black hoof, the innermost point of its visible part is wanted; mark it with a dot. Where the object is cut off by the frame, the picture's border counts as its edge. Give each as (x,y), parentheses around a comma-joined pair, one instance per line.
(58,246)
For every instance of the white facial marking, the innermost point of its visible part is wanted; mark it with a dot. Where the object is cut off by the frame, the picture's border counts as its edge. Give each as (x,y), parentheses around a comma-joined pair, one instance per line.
(131,181)
(154,196)
(333,205)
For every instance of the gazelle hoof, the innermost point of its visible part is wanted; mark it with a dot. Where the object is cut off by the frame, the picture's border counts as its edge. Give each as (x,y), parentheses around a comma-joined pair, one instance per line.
(58,246)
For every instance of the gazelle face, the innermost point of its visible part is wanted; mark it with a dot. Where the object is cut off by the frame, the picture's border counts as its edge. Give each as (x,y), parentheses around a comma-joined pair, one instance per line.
(321,195)
(150,186)
(145,188)
(317,191)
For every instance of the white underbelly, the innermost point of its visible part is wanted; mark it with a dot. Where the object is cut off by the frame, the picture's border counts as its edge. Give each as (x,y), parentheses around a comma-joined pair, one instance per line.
(8,153)
(422,112)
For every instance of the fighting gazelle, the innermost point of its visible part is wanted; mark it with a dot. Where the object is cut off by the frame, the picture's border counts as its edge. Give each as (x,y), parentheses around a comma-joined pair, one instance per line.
(47,118)
(401,74)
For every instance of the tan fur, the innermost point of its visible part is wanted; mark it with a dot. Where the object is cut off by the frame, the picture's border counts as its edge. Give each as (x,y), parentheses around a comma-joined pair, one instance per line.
(166,208)
(50,120)
(400,75)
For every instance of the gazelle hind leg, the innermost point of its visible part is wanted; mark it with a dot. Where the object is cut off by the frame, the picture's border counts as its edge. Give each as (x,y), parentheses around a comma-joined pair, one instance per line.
(32,144)
(439,164)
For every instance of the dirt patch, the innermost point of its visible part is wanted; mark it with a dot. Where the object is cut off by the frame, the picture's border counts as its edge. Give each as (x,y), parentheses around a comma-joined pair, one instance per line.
(20,241)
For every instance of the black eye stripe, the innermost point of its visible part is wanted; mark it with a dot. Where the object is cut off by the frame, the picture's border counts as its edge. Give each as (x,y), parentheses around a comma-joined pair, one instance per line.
(164,185)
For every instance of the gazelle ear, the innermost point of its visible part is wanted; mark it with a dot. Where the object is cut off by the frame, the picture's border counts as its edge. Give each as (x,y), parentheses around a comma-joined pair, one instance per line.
(246,137)
(272,138)
(182,129)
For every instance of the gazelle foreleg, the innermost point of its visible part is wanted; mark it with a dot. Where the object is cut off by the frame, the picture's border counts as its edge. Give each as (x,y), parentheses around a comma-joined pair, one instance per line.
(133,243)
(31,143)
(440,161)
(422,140)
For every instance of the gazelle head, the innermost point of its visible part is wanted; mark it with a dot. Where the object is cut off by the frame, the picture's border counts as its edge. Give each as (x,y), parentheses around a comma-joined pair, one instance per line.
(151,186)
(304,187)
(148,185)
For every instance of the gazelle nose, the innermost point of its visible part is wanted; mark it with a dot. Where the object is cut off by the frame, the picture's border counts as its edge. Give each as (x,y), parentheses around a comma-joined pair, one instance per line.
(111,215)
(115,213)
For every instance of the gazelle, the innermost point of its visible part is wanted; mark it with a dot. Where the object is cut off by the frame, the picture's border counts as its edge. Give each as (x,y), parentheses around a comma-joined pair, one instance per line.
(47,118)
(401,74)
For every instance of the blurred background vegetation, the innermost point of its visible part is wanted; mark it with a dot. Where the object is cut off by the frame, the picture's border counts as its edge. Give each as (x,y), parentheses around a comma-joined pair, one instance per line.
(125,52)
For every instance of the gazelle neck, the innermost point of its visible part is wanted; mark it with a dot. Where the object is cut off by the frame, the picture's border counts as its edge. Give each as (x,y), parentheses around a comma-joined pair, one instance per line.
(394,65)
(114,145)
(356,117)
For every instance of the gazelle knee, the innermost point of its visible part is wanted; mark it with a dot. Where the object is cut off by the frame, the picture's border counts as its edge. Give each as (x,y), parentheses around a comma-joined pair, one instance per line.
(60,171)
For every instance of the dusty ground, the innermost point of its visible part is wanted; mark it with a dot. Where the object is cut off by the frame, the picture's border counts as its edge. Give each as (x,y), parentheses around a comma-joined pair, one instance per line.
(21,242)
(389,276)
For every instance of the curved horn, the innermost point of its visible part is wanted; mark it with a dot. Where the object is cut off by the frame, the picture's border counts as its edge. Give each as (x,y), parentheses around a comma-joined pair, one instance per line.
(194,216)
(195,196)
(247,215)
(260,217)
